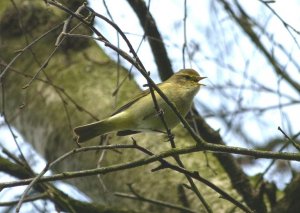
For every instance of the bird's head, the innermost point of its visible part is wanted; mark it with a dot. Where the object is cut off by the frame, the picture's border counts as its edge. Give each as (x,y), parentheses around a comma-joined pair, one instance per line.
(187,77)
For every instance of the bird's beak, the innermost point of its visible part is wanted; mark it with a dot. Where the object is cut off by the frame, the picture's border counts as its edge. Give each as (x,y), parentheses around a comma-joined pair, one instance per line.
(201,78)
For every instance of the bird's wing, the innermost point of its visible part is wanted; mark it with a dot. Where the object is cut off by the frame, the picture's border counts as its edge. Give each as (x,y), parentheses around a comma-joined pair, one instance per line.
(135,99)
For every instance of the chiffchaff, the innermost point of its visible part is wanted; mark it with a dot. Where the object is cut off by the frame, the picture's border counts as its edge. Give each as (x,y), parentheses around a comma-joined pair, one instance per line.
(139,114)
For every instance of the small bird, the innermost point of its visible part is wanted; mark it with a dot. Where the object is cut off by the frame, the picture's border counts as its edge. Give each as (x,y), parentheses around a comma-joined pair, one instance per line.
(139,114)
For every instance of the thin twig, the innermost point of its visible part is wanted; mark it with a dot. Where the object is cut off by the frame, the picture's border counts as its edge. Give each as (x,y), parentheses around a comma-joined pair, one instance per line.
(124,166)
(20,52)
(296,145)
(156,202)
(156,157)
(26,199)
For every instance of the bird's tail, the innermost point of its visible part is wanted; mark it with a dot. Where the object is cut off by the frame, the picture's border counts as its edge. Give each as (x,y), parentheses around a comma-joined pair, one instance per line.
(89,131)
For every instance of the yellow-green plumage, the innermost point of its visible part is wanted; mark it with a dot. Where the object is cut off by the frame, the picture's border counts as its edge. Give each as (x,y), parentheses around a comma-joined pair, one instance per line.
(140,115)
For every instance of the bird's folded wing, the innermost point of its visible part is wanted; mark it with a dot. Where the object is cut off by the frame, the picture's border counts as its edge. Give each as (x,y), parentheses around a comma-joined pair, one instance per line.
(135,99)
